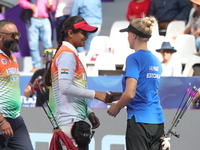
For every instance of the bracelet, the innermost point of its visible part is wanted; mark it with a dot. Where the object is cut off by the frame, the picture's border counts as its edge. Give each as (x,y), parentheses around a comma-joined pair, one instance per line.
(2,122)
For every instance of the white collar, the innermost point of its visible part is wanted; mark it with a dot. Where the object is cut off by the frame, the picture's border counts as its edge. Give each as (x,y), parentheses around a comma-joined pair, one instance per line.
(70,46)
(1,52)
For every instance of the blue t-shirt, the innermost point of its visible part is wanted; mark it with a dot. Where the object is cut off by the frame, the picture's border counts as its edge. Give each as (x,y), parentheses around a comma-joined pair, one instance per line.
(146,69)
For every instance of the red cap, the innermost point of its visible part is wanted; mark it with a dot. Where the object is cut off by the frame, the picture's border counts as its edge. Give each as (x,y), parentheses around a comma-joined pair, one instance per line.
(83,25)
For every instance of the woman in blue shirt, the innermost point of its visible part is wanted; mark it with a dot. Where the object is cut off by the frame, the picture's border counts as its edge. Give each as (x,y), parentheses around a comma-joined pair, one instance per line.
(145,124)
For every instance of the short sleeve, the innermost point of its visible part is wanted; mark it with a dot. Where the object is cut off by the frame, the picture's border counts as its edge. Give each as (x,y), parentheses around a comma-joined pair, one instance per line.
(132,67)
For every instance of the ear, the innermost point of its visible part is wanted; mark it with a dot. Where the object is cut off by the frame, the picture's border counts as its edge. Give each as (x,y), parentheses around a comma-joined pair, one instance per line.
(70,33)
(134,36)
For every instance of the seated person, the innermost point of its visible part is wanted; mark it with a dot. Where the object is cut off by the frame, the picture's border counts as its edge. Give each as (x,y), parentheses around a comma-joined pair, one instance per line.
(169,65)
(40,100)
(167,11)
(195,70)
(137,9)
(194,26)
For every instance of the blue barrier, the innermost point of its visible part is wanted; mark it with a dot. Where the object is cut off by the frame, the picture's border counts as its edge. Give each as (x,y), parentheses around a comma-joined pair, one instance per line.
(171,91)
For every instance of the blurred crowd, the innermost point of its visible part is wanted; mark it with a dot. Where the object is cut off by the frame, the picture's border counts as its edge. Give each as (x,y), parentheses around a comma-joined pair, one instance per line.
(40,19)
(167,11)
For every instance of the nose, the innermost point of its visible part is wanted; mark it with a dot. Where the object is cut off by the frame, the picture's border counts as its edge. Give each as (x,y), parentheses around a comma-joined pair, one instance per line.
(17,37)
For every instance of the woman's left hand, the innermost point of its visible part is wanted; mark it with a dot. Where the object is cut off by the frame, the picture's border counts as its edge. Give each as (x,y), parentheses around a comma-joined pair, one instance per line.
(94,120)
(113,110)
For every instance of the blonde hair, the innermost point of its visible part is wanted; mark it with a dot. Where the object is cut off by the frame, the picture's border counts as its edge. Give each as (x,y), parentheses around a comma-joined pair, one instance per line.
(144,25)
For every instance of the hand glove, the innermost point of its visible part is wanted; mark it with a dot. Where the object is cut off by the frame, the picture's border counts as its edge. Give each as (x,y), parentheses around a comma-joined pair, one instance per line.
(165,144)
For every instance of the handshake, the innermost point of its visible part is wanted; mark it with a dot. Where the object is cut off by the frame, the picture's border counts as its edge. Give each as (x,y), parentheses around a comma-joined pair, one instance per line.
(108,97)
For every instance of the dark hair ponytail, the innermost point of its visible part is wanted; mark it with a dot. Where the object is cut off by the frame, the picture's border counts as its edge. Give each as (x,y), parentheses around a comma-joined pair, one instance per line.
(47,75)
(66,25)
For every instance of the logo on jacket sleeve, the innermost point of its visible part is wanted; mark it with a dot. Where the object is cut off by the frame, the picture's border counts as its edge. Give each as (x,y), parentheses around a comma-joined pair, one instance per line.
(3,61)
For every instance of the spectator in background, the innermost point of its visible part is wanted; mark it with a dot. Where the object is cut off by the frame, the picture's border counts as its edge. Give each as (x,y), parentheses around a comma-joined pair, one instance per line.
(195,70)
(137,9)
(63,10)
(194,26)
(91,11)
(38,76)
(38,26)
(166,11)
(170,66)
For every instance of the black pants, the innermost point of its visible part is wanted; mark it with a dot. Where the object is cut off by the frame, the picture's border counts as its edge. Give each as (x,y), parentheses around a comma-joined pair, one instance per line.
(141,136)
(20,140)
(83,147)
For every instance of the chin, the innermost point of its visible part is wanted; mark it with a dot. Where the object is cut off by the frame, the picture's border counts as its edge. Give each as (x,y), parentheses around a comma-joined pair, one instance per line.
(82,45)
(131,47)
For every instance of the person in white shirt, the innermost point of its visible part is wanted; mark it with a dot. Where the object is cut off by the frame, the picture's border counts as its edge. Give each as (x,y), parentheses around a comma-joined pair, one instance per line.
(170,66)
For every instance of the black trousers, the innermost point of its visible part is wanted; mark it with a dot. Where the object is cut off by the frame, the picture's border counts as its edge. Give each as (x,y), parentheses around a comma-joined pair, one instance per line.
(83,147)
(20,140)
(141,136)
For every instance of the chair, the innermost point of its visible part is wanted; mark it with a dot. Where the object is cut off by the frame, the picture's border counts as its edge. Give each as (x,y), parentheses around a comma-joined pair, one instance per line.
(191,61)
(185,46)
(104,61)
(155,30)
(99,44)
(155,41)
(173,29)
(116,26)
(116,36)
(118,41)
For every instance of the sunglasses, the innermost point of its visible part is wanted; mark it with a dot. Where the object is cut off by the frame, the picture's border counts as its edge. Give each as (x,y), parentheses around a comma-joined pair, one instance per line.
(12,34)
(166,51)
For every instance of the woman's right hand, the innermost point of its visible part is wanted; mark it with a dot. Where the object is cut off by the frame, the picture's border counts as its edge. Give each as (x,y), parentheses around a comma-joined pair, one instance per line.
(102,96)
